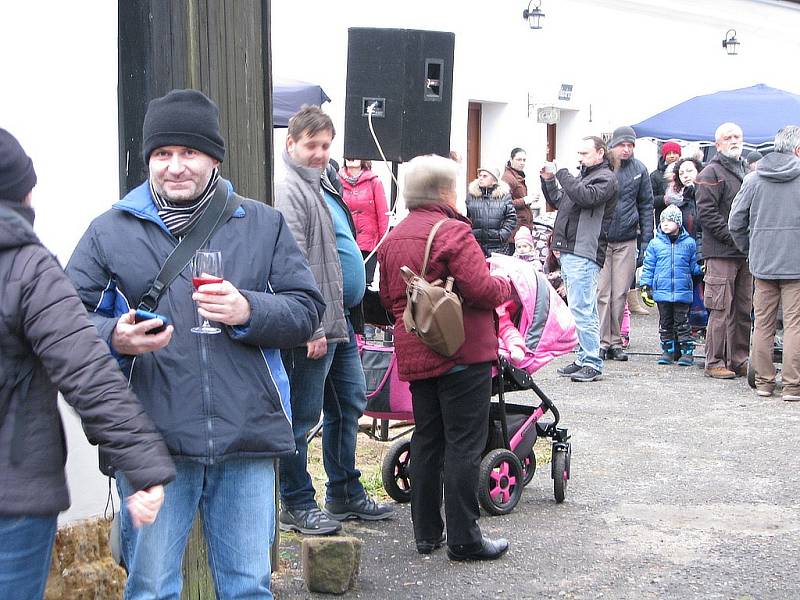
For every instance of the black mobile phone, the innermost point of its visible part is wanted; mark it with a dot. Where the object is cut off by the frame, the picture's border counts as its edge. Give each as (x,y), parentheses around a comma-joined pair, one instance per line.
(143,315)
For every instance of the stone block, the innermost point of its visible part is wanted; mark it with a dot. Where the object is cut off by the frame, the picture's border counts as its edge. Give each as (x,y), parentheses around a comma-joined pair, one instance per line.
(82,567)
(330,564)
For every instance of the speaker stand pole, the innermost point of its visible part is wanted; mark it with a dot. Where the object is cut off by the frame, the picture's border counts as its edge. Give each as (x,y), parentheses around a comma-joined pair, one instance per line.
(393,199)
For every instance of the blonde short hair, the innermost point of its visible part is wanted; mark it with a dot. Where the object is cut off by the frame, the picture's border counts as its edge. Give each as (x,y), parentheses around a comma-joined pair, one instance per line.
(426,177)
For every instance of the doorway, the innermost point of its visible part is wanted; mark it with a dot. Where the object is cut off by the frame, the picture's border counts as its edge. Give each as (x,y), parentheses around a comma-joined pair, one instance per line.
(474,116)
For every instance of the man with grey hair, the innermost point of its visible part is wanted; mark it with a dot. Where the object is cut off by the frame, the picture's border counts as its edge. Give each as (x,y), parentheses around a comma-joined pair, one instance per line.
(728,283)
(765,223)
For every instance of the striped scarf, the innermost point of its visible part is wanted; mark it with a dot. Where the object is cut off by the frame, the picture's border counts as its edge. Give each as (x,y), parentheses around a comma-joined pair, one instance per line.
(180,217)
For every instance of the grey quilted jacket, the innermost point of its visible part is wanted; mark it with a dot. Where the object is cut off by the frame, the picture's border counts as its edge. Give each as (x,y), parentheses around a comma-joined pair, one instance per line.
(45,332)
(299,198)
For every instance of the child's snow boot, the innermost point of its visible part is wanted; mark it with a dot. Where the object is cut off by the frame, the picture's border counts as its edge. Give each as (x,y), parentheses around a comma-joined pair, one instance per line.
(667,352)
(687,354)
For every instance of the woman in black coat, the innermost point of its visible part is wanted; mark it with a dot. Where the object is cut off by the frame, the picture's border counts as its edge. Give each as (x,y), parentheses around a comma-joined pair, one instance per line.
(491,210)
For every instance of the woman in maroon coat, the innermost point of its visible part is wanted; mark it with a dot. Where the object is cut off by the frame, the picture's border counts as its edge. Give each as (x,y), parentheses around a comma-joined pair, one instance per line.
(450,395)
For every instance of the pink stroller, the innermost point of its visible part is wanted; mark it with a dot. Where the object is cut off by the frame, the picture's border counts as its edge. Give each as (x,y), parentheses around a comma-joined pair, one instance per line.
(509,462)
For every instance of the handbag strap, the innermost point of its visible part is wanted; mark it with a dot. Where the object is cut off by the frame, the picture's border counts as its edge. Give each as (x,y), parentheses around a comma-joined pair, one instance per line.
(219,210)
(428,244)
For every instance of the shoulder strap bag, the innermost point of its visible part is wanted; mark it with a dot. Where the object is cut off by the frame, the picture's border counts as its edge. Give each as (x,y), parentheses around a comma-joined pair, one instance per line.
(218,211)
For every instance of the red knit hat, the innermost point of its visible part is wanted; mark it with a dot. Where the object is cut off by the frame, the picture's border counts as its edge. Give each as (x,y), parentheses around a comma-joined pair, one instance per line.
(670,147)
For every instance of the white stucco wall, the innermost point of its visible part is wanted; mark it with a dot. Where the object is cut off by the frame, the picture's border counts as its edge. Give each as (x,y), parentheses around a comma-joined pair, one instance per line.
(627,60)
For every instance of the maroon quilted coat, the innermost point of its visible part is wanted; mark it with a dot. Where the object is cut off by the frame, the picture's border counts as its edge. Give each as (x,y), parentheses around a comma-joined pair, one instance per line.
(454,252)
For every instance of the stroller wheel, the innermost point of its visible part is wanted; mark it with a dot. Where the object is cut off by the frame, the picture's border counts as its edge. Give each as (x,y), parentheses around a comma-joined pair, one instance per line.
(500,482)
(560,474)
(528,468)
(394,471)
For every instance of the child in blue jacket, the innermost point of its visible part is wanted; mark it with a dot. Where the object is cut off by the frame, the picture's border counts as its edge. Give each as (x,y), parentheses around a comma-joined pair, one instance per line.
(669,264)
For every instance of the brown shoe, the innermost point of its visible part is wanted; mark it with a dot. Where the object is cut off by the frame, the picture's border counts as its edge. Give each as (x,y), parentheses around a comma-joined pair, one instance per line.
(720,373)
(741,370)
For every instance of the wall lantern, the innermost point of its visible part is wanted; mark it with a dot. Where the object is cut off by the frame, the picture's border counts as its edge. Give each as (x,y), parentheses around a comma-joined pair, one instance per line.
(731,44)
(533,15)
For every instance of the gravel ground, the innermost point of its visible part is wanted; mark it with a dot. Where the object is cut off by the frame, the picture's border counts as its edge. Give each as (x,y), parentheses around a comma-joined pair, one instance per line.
(681,487)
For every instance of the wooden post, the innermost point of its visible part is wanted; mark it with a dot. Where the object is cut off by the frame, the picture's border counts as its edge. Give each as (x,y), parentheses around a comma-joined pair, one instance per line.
(197,581)
(219,47)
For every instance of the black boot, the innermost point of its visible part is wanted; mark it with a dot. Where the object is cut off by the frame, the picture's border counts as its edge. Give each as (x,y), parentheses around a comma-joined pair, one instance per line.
(667,352)
(687,354)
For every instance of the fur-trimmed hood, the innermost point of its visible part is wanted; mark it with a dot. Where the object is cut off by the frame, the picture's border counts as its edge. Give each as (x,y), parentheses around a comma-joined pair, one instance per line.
(500,190)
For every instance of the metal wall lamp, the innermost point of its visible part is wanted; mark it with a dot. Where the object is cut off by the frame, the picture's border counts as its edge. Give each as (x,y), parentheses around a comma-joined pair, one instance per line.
(731,44)
(533,15)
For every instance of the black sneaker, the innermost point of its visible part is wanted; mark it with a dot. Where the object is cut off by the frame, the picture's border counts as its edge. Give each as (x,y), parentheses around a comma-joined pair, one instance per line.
(308,522)
(586,373)
(616,354)
(570,369)
(603,353)
(366,508)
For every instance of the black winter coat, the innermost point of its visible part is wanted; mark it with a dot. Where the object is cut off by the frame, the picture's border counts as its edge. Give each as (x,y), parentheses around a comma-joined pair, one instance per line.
(45,332)
(717,186)
(659,184)
(633,215)
(585,206)
(493,216)
(212,397)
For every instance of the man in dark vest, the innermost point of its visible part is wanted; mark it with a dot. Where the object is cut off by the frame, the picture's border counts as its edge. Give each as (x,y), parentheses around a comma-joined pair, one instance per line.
(728,283)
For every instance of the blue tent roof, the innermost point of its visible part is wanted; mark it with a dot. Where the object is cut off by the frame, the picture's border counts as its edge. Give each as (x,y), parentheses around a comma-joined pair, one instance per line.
(760,110)
(288,95)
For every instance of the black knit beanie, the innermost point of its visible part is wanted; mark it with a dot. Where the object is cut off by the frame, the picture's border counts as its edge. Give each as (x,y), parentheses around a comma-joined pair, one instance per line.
(17,176)
(183,118)
(622,134)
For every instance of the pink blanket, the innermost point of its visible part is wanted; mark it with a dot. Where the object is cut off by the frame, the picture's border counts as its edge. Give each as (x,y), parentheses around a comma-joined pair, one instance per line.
(544,321)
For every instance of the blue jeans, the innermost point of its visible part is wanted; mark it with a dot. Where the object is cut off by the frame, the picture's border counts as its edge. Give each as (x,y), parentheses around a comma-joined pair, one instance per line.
(26,545)
(580,276)
(236,499)
(334,386)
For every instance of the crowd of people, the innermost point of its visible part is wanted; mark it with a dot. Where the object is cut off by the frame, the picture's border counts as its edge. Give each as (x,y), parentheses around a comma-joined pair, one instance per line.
(191,422)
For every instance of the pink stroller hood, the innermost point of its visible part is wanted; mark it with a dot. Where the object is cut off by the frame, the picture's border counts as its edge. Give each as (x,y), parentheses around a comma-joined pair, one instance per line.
(545,321)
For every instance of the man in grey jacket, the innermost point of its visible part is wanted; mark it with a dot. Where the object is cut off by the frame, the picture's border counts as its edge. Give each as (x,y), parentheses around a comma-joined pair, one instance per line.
(325,373)
(585,206)
(765,223)
(633,219)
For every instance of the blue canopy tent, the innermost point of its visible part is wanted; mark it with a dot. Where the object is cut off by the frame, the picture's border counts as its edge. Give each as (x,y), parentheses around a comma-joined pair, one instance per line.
(760,110)
(288,95)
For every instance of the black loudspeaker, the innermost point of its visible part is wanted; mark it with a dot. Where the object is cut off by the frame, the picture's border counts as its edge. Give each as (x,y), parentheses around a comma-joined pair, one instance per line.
(407,76)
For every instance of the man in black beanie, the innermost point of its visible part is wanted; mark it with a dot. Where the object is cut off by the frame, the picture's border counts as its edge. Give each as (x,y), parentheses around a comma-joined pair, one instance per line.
(631,227)
(221,401)
(47,345)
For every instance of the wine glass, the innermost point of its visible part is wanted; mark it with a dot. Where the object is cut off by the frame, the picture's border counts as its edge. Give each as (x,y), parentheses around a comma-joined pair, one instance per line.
(206,268)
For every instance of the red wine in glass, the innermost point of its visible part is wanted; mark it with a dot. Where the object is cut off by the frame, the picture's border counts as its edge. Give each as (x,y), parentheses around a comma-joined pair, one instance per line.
(198,281)
(206,268)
